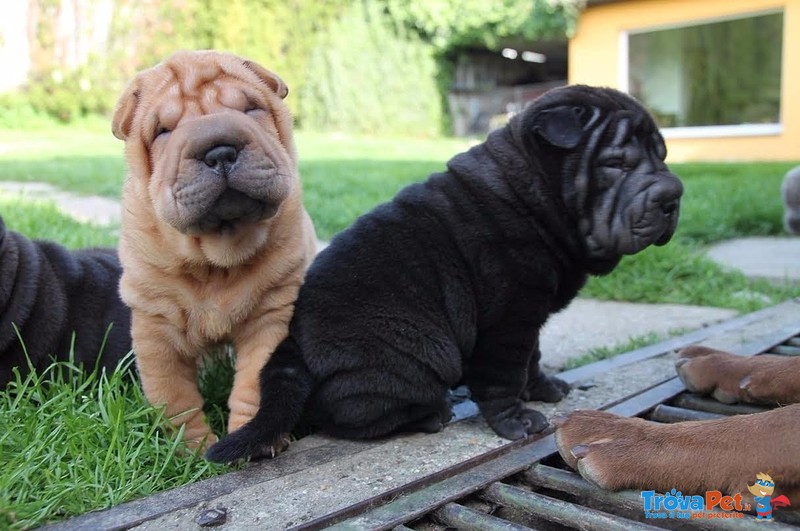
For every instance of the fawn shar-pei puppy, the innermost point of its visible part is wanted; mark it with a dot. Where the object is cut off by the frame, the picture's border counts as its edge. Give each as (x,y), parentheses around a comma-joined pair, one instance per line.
(214,240)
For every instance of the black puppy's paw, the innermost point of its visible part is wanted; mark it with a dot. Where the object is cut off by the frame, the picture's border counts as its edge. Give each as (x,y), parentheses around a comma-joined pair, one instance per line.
(234,448)
(516,422)
(545,388)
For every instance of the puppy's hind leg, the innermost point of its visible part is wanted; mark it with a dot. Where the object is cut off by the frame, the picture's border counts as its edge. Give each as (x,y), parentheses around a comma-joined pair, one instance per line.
(371,417)
(541,387)
(375,405)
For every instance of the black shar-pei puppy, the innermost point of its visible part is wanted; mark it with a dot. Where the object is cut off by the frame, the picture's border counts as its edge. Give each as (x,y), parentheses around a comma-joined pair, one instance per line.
(47,293)
(451,281)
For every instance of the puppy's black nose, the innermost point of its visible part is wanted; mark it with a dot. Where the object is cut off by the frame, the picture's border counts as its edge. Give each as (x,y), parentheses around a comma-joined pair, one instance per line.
(221,158)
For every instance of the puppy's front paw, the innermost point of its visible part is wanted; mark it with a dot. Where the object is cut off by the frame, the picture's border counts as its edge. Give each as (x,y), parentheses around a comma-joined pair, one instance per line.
(730,378)
(608,450)
(545,388)
(270,451)
(233,448)
(516,422)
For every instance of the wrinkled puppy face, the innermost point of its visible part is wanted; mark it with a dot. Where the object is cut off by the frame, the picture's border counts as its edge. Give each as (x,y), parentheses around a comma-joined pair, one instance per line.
(213,130)
(614,176)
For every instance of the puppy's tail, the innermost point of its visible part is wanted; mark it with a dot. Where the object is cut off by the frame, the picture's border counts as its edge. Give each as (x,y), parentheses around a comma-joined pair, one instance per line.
(286,385)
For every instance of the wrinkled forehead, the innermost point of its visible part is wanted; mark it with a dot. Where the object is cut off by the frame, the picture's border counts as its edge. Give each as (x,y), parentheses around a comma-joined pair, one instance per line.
(203,84)
(625,124)
(620,125)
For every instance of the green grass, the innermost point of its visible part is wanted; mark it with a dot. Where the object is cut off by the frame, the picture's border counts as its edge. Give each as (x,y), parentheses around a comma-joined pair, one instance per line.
(71,443)
(342,176)
(42,220)
(633,343)
(88,443)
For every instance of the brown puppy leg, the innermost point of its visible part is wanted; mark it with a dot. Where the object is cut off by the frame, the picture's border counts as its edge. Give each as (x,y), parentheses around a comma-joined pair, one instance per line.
(765,379)
(168,371)
(255,343)
(631,453)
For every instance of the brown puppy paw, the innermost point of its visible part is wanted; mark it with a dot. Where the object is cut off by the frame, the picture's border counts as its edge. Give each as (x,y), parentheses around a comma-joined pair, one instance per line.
(630,453)
(608,450)
(767,379)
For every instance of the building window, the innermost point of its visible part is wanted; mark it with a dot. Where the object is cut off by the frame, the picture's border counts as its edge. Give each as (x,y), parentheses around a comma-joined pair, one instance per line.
(724,75)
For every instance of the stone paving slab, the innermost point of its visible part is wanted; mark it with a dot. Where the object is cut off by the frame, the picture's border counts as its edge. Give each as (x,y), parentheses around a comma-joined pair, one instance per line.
(773,258)
(588,324)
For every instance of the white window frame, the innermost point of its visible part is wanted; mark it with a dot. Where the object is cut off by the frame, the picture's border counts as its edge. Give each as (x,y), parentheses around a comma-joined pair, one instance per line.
(702,131)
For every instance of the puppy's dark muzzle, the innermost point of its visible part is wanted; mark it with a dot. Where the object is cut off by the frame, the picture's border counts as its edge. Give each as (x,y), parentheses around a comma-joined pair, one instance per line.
(227,175)
(230,210)
(670,190)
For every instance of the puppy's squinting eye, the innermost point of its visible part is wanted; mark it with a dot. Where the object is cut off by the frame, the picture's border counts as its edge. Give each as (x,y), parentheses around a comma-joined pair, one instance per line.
(252,108)
(613,162)
(162,131)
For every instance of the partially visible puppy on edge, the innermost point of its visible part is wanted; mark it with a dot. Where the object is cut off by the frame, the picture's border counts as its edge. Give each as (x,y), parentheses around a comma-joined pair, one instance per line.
(451,281)
(694,457)
(790,193)
(48,294)
(214,240)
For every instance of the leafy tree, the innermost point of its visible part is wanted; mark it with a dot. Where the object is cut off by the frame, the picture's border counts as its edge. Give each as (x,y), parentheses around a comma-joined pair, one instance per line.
(447,24)
(362,66)
(367,76)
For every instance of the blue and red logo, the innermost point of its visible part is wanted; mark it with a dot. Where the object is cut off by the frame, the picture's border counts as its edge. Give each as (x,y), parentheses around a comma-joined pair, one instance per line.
(714,505)
(762,491)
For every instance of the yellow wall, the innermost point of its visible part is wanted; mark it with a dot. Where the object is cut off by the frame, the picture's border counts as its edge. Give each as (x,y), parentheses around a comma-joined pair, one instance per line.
(594,59)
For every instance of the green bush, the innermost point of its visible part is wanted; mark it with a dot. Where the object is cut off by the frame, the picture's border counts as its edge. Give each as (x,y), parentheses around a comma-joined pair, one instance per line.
(369,77)
(69,95)
(369,66)
(57,96)
(17,112)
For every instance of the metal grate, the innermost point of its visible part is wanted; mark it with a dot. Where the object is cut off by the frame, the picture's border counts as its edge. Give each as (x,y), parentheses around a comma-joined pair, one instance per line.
(526,485)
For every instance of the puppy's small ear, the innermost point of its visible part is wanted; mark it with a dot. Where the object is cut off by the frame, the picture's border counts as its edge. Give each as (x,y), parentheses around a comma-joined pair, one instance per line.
(561,126)
(123,114)
(270,78)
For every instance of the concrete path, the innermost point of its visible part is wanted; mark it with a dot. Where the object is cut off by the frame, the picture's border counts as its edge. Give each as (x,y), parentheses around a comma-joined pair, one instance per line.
(588,324)
(772,258)
(86,209)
